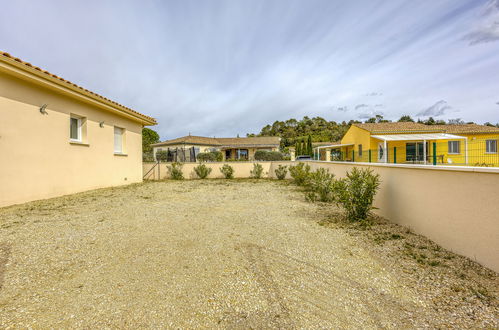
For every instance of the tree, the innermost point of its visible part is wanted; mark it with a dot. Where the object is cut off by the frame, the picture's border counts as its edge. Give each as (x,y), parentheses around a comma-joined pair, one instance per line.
(430,121)
(406,118)
(149,137)
(298,148)
(309,145)
(457,121)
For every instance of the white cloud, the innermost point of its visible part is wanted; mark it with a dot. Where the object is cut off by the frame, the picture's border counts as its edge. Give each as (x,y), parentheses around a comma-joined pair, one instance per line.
(486,29)
(436,110)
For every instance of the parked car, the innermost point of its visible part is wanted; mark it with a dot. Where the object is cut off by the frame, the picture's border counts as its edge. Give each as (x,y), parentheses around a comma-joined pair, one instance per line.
(303,157)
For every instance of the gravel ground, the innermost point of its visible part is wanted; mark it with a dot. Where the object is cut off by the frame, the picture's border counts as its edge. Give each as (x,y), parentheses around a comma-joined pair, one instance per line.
(226,254)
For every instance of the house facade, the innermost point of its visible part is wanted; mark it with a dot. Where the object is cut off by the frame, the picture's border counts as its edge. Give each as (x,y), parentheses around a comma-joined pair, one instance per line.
(188,147)
(57,138)
(414,143)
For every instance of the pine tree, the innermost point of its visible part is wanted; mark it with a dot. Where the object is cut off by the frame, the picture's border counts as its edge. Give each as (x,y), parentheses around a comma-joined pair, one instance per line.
(298,148)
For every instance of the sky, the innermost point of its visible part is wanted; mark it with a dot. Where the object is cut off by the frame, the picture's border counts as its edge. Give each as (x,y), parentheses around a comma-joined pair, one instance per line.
(222,68)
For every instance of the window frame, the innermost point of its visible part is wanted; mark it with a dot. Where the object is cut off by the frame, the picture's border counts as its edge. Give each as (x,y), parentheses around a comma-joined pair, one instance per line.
(452,152)
(360,150)
(79,122)
(487,146)
(122,149)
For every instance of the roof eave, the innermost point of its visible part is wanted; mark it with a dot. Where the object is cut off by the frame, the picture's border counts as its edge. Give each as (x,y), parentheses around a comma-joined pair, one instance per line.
(31,74)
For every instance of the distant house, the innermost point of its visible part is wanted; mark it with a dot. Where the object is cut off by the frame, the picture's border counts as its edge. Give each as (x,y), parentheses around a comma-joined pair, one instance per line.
(231,148)
(407,142)
(58,138)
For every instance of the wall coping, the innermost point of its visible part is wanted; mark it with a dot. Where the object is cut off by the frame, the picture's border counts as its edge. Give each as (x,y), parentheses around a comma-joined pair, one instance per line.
(457,168)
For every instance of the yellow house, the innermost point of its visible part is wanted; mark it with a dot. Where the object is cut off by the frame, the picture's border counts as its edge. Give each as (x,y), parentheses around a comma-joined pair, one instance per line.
(58,138)
(188,147)
(414,143)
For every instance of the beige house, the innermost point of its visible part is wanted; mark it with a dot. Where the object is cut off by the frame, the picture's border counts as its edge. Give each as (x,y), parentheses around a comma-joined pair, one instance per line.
(58,138)
(231,148)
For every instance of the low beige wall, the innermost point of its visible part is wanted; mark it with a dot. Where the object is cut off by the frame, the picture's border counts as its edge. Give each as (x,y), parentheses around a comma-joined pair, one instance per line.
(241,170)
(457,208)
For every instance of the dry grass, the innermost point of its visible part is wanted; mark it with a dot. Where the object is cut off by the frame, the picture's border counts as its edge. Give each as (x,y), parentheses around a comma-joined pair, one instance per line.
(225,254)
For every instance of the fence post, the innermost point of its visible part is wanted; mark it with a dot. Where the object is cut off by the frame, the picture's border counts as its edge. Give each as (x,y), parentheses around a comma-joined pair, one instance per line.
(369,155)
(353,155)
(434,153)
(395,155)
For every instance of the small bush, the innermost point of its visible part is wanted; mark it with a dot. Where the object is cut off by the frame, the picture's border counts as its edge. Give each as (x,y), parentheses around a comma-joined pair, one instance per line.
(148,157)
(227,171)
(211,156)
(257,171)
(162,155)
(321,186)
(175,171)
(300,173)
(265,155)
(356,193)
(202,171)
(281,171)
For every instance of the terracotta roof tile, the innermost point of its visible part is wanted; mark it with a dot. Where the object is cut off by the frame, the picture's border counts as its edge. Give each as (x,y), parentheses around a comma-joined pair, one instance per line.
(29,65)
(468,129)
(260,141)
(397,127)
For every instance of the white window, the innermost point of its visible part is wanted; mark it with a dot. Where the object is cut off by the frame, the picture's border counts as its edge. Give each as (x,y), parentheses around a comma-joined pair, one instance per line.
(491,146)
(75,129)
(454,147)
(118,140)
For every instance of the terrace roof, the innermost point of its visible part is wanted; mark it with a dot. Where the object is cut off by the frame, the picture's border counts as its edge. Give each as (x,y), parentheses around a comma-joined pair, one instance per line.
(417,137)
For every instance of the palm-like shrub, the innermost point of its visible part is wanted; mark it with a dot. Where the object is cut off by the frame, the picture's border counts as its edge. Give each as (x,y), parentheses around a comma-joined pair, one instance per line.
(356,193)
(175,171)
(300,173)
(227,171)
(202,171)
(281,171)
(257,171)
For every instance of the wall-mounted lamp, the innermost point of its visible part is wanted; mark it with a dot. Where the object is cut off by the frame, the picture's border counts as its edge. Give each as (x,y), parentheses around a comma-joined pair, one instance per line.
(42,109)
(101,124)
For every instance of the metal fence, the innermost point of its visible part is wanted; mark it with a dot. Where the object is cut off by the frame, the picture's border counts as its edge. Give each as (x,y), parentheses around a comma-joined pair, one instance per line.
(472,152)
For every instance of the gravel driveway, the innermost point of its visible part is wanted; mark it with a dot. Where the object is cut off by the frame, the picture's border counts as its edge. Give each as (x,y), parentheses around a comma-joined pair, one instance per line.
(217,254)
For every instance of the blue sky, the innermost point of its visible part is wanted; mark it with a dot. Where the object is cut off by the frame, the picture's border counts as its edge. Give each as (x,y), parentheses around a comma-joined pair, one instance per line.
(221,68)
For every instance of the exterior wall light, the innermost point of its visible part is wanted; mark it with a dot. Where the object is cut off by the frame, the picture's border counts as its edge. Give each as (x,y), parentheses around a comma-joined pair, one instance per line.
(42,109)
(101,124)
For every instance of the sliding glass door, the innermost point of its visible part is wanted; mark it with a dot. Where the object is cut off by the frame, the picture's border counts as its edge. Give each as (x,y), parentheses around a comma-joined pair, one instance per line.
(414,151)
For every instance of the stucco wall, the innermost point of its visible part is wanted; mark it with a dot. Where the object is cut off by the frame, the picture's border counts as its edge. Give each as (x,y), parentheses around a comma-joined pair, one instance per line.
(38,161)
(457,207)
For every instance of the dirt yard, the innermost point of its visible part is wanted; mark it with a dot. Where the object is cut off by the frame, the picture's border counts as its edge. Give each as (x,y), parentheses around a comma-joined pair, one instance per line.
(226,254)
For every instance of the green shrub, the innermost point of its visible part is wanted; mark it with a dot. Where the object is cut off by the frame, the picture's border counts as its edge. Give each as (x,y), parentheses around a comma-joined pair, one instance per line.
(202,171)
(268,155)
(300,173)
(281,171)
(227,171)
(148,156)
(175,171)
(356,193)
(257,171)
(321,186)
(210,156)
(162,155)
